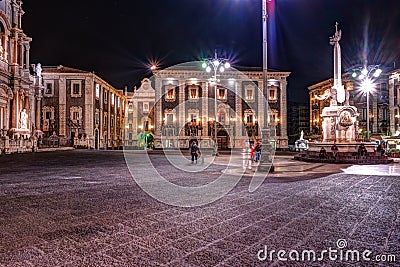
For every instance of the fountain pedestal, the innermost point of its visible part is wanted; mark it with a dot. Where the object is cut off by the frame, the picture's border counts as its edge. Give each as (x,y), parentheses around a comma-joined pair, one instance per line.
(339,124)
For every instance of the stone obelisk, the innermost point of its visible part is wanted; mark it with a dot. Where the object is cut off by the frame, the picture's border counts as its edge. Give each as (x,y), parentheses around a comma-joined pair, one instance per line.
(337,87)
(339,119)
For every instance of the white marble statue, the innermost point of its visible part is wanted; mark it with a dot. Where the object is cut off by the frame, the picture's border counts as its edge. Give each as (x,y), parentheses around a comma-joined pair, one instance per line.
(39,70)
(24,119)
(337,93)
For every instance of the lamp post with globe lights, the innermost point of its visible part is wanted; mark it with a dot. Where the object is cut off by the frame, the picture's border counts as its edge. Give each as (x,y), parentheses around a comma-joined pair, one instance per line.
(367,75)
(265,164)
(217,65)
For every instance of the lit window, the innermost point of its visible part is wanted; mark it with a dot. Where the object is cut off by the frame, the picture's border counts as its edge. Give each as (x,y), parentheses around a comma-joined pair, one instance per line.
(221,117)
(49,89)
(75,115)
(145,106)
(76,89)
(249,94)
(105,96)
(192,118)
(249,90)
(221,93)
(112,99)
(249,118)
(170,118)
(170,94)
(97,118)
(193,92)
(272,95)
(97,90)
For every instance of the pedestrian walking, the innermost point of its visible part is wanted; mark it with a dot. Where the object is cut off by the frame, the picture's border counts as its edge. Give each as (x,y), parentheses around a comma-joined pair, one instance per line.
(194,151)
(258,151)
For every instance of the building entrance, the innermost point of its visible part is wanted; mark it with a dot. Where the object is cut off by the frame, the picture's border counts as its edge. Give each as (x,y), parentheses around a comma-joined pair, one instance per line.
(223,140)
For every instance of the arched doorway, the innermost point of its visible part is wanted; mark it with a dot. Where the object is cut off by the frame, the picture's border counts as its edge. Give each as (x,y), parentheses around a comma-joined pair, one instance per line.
(222,139)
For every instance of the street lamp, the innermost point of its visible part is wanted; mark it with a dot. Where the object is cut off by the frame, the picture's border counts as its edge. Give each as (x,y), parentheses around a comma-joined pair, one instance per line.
(218,65)
(265,164)
(367,76)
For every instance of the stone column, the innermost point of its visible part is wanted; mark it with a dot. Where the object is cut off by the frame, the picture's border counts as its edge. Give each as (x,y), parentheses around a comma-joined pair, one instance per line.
(62,98)
(158,107)
(205,109)
(239,111)
(7,115)
(283,117)
(15,9)
(88,110)
(262,105)
(5,48)
(375,114)
(32,111)
(181,114)
(15,115)
(27,46)
(38,112)
(391,107)
(21,53)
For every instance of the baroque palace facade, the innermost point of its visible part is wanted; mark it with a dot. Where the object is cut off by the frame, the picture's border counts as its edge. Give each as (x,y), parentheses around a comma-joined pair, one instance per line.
(394,101)
(383,106)
(19,86)
(80,109)
(178,105)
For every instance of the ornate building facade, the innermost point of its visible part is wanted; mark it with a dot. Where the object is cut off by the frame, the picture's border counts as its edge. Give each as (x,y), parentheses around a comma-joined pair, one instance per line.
(81,109)
(184,107)
(19,88)
(394,101)
(379,109)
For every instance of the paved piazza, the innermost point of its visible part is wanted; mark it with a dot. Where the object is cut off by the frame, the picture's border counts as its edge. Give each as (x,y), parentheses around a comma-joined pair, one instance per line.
(82,208)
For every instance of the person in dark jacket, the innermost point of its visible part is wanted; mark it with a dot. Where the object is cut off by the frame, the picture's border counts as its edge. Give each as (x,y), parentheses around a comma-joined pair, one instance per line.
(334,150)
(194,151)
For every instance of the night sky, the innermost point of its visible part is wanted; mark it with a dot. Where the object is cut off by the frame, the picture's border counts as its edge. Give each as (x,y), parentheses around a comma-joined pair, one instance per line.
(118,39)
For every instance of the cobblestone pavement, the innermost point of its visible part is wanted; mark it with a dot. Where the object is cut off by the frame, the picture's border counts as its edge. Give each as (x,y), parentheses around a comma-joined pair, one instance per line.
(82,208)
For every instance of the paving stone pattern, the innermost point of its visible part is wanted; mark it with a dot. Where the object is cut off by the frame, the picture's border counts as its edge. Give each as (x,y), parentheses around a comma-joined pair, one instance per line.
(82,208)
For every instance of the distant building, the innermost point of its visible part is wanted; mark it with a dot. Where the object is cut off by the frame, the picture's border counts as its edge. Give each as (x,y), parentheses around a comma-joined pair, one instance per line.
(378,107)
(394,101)
(298,120)
(183,110)
(139,119)
(81,109)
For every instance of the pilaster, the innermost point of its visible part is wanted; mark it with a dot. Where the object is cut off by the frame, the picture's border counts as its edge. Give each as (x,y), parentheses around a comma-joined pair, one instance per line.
(158,106)
(182,105)
(391,106)
(89,111)
(239,111)
(375,114)
(62,91)
(205,109)
(38,111)
(283,108)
